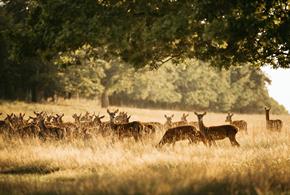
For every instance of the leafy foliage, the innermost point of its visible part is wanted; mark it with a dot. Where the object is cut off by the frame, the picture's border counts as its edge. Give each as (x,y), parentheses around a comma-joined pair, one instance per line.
(151,32)
(90,48)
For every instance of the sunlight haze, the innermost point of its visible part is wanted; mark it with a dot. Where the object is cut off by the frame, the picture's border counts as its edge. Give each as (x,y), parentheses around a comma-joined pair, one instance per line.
(280,79)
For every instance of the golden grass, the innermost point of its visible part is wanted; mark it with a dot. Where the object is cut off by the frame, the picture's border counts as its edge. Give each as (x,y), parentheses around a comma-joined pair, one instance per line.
(259,166)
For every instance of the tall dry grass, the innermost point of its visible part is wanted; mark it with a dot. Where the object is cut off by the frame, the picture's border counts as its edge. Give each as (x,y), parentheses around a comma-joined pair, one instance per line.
(260,166)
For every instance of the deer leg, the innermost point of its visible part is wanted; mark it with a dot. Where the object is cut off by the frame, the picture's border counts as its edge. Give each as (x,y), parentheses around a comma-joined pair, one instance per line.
(214,143)
(234,141)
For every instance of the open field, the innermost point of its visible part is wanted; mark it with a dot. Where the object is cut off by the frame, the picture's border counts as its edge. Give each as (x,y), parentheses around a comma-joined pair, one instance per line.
(98,166)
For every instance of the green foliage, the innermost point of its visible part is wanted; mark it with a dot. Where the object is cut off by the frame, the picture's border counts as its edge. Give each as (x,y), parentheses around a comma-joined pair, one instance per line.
(88,48)
(224,33)
(192,85)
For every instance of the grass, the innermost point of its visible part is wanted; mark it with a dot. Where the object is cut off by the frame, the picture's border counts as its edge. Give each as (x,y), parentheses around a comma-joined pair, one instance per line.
(259,166)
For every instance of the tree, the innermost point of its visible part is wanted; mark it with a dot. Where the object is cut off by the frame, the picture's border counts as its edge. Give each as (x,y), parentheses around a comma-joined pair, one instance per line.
(152,32)
(88,72)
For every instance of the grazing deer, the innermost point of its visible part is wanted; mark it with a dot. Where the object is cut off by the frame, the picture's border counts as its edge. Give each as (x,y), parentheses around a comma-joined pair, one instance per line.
(272,125)
(175,134)
(132,129)
(241,124)
(217,132)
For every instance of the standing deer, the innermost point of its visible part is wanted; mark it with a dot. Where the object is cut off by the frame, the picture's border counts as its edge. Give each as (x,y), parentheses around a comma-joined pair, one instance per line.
(217,132)
(132,129)
(168,123)
(179,133)
(50,130)
(272,125)
(241,124)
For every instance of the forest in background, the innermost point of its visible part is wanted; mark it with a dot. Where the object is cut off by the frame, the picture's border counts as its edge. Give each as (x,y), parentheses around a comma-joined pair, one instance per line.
(47,51)
(189,85)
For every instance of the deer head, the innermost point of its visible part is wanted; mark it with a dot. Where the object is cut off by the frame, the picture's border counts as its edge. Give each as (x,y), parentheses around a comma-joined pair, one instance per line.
(229,117)
(59,118)
(77,117)
(200,116)
(169,119)
(97,119)
(184,117)
(112,114)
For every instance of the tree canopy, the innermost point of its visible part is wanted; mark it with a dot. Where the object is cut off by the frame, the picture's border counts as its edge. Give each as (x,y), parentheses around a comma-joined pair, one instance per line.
(104,49)
(223,33)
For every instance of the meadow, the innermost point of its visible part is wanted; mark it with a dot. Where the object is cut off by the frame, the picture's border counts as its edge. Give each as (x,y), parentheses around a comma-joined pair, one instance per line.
(98,166)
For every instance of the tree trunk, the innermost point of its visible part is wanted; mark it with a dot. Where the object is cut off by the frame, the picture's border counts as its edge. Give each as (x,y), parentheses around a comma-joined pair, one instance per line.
(105,99)
(34,97)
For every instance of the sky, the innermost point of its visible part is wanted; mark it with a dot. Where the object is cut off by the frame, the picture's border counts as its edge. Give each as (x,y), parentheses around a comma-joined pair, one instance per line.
(280,86)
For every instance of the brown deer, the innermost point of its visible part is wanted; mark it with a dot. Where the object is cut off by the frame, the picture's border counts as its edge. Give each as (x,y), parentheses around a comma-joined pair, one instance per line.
(175,134)
(6,127)
(272,125)
(77,118)
(217,132)
(29,130)
(240,124)
(50,130)
(131,129)
(182,122)
(122,117)
(168,123)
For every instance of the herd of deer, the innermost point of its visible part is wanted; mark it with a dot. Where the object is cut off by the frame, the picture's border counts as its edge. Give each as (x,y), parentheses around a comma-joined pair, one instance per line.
(44,126)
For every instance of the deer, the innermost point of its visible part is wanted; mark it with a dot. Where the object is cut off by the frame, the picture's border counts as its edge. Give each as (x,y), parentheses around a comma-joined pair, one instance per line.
(213,133)
(7,127)
(182,122)
(272,125)
(131,129)
(148,127)
(168,123)
(50,130)
(71,128)
(240,124)
(30,130)
(179,133)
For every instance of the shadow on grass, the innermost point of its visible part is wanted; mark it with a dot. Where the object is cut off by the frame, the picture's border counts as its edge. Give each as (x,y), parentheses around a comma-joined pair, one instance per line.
(30,170)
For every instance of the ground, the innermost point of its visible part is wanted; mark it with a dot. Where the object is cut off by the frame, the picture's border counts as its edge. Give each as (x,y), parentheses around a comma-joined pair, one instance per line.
(98,166)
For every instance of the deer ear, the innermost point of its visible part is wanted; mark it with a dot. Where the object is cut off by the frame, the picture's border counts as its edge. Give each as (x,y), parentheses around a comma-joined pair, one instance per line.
(204,113)
(232,114)
(172,116)
(108,111)
(129,117)
(165,115)
(187,115)
(116,111)
(102,117)
(195,113)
